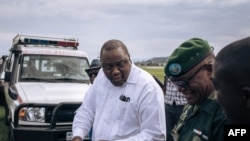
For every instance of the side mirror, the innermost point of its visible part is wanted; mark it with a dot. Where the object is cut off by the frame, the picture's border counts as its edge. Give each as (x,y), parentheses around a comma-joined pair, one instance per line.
(12,92)
(7,76)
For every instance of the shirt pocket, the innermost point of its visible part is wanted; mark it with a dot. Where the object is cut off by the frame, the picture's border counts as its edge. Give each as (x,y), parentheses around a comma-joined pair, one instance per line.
(122,110)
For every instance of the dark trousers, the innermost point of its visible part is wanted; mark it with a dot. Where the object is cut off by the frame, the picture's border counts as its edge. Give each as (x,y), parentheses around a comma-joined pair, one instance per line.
(173,113)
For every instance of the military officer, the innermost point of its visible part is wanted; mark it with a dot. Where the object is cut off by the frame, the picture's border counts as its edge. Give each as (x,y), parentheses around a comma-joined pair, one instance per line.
(190,68)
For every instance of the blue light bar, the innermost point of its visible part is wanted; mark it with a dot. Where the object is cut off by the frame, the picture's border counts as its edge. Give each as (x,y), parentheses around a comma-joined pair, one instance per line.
(41,42)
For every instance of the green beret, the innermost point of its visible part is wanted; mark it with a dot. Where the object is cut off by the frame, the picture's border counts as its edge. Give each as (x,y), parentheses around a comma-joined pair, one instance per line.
(186,56)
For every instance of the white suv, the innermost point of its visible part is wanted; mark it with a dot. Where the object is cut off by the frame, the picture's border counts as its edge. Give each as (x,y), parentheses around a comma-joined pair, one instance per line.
(45,82)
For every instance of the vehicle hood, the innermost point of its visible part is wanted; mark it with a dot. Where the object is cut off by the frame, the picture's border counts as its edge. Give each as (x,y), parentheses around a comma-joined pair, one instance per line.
(51,92)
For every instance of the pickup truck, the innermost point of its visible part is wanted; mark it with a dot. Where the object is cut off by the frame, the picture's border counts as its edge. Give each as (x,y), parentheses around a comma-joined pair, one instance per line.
(45,82)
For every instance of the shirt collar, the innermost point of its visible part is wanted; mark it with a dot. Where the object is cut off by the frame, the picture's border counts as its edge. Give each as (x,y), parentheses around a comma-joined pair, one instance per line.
(208,105)
(132,78)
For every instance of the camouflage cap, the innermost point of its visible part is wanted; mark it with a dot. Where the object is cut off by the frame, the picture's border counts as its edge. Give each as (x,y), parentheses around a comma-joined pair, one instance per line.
(186,56)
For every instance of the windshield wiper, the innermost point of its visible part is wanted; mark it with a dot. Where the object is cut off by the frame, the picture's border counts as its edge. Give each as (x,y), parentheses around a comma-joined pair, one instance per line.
(73,80)
(33,78)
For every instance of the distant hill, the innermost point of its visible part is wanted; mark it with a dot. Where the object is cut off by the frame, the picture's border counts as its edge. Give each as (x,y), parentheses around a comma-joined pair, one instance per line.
(155,61)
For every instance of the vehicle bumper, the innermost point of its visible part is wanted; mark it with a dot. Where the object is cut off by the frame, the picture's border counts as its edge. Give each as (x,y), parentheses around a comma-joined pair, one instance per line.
(41,134)
(51,132)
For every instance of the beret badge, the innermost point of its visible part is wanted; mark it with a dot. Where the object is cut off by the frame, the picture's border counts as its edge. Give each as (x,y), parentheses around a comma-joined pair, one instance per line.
(174,69)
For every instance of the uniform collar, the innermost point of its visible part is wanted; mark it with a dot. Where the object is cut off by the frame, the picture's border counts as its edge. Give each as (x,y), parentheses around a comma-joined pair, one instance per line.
(209,105)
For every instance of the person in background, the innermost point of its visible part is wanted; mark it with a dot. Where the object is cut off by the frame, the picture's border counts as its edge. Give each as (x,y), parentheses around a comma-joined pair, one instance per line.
(124,103)
(174,103)
(190,68)
(231,79)
(93,70)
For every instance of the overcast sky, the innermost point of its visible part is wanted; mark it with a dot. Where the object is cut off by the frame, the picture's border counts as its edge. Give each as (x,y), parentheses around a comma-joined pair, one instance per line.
(149,28)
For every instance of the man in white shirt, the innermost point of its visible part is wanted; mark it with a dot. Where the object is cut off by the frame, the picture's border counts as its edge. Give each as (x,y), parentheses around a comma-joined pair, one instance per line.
(124,103)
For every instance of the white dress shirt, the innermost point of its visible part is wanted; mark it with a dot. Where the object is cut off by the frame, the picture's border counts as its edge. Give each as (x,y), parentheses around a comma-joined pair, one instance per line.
(140,117)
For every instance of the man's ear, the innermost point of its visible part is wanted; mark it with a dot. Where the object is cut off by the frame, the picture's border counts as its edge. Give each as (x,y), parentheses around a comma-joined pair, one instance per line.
(246,95)
(209,67)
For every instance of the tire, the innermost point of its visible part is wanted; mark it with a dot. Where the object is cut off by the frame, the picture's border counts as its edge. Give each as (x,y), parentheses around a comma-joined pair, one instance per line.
(6,116)
(10,135)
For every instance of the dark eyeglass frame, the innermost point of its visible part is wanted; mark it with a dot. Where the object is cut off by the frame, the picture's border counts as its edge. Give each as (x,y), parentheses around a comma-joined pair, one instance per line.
(185,82)
(92,73)
(119,64)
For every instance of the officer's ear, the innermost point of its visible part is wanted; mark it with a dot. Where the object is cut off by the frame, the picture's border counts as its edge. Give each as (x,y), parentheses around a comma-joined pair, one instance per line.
(209,67)
(245,92)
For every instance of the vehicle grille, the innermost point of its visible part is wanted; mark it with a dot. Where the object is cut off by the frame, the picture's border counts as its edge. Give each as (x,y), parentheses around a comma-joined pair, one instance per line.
(65,114)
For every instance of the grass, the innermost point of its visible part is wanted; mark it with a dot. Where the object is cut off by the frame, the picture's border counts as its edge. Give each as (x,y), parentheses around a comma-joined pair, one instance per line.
(156,71)
(3,129)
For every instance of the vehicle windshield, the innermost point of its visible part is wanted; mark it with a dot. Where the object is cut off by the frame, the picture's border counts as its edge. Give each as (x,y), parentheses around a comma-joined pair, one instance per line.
(53,68)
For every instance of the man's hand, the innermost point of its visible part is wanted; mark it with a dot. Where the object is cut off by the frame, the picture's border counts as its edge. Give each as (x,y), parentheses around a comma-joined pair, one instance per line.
(77,138)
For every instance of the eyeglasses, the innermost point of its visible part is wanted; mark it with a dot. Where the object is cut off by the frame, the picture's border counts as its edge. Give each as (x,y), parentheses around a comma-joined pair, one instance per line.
(93,73)
(185,83)
(119,64)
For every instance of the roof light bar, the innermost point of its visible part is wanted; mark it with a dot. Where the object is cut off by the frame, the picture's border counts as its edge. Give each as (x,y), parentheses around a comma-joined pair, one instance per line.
(33,40)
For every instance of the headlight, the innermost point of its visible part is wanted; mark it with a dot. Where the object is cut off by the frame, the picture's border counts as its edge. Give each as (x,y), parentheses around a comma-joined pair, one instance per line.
(35,114)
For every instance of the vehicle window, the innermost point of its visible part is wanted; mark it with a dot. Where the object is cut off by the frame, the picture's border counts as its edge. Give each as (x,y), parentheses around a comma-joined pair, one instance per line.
(53,67)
